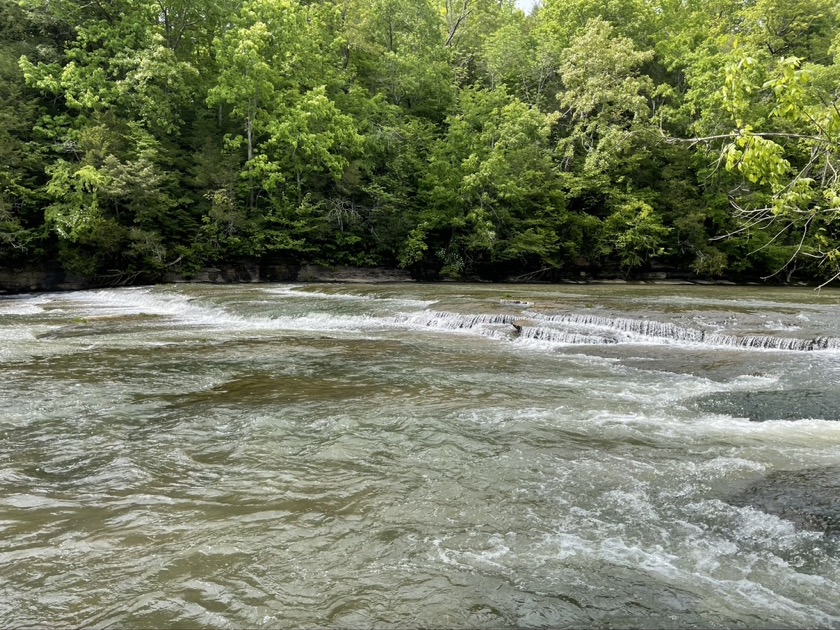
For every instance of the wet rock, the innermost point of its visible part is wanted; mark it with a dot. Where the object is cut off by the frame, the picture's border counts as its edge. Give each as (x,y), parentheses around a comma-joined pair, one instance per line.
(242,271)
(809,498)
(279,271)
(761,406)
(40,279)
(653,275)
(519,324)
(318,273)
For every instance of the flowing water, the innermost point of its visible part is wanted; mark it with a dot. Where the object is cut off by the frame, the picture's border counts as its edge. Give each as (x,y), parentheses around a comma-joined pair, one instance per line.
(408,455)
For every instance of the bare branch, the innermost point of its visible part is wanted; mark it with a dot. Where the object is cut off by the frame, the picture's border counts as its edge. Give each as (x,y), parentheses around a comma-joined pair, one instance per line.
(461,18)
(836,276)
(766,134)
(454,30)
(772,240)
(795,253)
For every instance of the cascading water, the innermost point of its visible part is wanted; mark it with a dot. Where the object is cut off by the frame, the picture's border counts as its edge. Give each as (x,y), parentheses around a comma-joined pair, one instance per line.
(420,455)
(593,329)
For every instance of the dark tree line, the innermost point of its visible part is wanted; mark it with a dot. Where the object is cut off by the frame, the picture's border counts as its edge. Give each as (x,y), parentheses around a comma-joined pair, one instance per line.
(455,138)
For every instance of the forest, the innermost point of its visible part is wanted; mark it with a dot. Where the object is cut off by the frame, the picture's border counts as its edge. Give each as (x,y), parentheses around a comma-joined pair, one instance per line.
(460,139)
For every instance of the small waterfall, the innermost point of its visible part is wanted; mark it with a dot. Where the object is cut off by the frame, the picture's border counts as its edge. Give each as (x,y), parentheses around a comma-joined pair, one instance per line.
(641,327)
(762,342)
(655,330)
(455,321)
(588,329)
(554,335)
(826,343)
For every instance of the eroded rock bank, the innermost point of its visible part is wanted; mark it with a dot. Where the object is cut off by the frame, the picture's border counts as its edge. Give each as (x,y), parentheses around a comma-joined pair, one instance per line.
(40,279)
(247,271)
(34,279)
(55,278)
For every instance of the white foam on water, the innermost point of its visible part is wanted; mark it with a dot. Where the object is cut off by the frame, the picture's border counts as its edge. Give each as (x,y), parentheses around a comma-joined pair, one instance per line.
(635,503)
(22,305)
(805,434)
(757,527)
(16,334)
(749,382)
(558,337)
(731,303)
(483,324)
(192,312)
(16,338)
(657,390)
(781,325)
(298,291)
(33,501)
(493,557)
(724,466)
(537,329)
(146,301)
(739,559)
(18,342)
(754,595)
(626,330)
(630,401)
(656,421)
(745,595)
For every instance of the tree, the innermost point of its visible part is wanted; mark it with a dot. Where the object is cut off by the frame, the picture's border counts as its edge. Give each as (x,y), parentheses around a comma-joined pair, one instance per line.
(635,233)
(791,164)
(120,93)
(298,143)
(21,233)
(491,192)
(454,136)
(604,97)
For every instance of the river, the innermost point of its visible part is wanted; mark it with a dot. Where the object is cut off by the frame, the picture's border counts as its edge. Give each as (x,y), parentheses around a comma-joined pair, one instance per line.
(409,455)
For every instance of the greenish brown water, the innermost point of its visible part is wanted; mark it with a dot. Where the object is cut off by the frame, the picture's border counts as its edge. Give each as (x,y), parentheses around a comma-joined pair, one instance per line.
(399,456)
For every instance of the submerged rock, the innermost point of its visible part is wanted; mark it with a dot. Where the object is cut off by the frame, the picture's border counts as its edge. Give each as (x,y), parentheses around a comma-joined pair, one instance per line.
(761,406)
(809,498)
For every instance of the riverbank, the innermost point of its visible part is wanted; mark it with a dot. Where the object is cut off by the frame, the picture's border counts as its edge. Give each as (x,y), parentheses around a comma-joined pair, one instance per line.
(40,279)
(54,278)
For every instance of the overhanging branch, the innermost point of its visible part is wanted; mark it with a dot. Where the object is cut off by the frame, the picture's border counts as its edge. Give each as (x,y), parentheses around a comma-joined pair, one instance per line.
(766,134)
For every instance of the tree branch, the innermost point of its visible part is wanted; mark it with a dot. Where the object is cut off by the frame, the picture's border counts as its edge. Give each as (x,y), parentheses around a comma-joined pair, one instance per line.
(766,134)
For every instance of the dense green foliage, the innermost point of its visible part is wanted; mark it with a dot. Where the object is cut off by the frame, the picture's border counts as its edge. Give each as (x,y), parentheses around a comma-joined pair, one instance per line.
(455,138)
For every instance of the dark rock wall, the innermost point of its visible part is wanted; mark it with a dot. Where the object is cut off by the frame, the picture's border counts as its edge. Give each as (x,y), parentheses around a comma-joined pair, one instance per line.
(244,271)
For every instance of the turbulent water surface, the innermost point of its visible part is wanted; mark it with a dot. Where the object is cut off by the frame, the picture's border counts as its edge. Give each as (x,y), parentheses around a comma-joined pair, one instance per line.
(420,455)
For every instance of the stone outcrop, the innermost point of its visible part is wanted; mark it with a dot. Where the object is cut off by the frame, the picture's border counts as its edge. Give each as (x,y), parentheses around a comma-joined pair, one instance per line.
(241,271)
(249,271)
(40,279)
(318,273)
